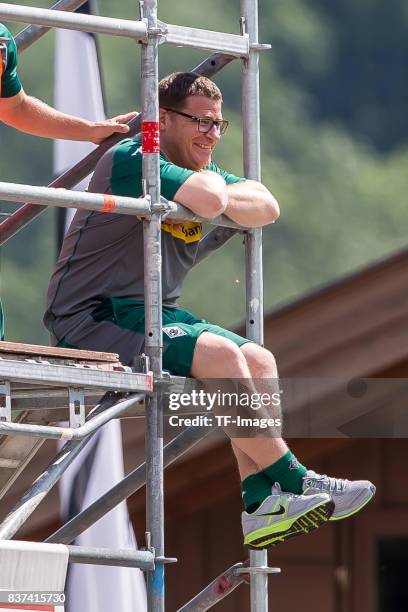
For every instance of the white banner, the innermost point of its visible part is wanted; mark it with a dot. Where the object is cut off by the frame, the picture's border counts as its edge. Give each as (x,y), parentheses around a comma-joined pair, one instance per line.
(77,91)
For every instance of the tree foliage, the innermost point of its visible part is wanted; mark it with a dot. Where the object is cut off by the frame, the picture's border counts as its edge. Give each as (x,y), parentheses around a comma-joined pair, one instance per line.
(334,148)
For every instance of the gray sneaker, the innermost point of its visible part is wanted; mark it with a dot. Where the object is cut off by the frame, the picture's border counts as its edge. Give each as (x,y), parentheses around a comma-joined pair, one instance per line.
(349,496)
(284,515)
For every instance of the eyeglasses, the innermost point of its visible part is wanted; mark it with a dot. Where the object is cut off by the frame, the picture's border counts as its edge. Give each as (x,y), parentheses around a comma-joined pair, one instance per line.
(204,124)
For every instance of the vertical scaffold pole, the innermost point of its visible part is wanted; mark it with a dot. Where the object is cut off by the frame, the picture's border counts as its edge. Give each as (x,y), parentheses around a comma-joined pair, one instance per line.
(153,303)
(253,241)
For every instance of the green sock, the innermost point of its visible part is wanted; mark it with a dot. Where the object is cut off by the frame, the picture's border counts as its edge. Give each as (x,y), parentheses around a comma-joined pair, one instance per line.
(288,472)
(255,488)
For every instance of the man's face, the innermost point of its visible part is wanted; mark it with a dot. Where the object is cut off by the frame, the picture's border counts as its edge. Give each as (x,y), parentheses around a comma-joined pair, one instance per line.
(181,140)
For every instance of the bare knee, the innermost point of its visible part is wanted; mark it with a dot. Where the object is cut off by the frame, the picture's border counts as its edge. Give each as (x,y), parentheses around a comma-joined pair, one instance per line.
(261,362)
(218,357)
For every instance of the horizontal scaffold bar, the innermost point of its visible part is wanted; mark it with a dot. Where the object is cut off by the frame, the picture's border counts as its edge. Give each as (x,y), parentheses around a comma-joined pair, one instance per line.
(106,203)
(71,376)
(74,21)
(230,44)
(14,192)
(143,559)
(29,35)
(69,433)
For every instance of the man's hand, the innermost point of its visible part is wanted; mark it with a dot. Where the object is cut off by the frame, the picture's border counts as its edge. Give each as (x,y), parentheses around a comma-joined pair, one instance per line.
(103,129)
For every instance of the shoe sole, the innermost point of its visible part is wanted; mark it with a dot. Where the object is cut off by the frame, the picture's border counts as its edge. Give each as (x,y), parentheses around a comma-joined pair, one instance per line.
(311,520)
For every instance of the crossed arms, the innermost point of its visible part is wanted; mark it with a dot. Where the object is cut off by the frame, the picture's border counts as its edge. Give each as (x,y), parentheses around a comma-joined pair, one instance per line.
(248,203)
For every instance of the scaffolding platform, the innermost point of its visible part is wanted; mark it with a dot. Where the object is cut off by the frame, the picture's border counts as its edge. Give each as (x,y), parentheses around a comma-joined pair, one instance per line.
(36,389)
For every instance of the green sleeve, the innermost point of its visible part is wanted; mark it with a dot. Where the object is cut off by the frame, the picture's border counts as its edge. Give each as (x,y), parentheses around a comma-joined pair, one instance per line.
(126,173)
(172,178)
(126,178)
(228,178)
(10,83)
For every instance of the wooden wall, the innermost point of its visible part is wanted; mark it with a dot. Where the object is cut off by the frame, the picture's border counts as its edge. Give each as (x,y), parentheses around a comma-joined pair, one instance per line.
(331,570)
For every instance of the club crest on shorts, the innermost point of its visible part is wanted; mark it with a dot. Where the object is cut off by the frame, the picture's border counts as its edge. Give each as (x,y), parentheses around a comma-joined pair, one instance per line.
(174,331)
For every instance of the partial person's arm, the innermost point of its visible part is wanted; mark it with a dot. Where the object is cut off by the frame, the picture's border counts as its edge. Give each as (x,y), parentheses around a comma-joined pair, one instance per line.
(32,116)
(251,204)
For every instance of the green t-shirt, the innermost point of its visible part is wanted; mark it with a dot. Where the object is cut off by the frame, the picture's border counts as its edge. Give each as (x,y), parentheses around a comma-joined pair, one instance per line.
(9,82)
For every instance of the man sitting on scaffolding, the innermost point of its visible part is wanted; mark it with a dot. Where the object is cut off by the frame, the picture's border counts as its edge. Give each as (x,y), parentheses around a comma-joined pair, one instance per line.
(95,300)
(32,116)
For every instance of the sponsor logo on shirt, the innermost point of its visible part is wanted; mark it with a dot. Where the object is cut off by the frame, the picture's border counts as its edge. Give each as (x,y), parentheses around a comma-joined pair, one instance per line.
(190,231)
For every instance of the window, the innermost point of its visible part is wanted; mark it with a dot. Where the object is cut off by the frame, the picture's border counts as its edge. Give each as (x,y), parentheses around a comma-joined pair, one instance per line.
(392,567)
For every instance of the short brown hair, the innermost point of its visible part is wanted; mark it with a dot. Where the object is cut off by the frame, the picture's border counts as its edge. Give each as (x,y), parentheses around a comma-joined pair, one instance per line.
(178,86)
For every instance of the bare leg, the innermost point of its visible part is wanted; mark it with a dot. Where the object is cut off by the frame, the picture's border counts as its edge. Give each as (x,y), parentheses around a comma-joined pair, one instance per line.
(217,357)
(264,372)
(246,466)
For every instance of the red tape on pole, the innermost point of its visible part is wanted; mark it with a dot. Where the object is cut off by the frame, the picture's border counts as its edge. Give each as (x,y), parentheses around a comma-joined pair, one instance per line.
(150,137)
(109,204)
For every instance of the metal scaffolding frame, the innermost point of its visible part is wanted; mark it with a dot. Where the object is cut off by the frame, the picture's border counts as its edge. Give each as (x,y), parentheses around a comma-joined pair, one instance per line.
(151,383)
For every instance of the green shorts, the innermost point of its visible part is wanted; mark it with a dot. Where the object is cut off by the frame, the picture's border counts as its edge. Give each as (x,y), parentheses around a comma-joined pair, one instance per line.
(180,330)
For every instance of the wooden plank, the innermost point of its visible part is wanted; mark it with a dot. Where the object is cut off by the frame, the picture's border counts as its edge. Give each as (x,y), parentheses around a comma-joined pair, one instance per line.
(53,351)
